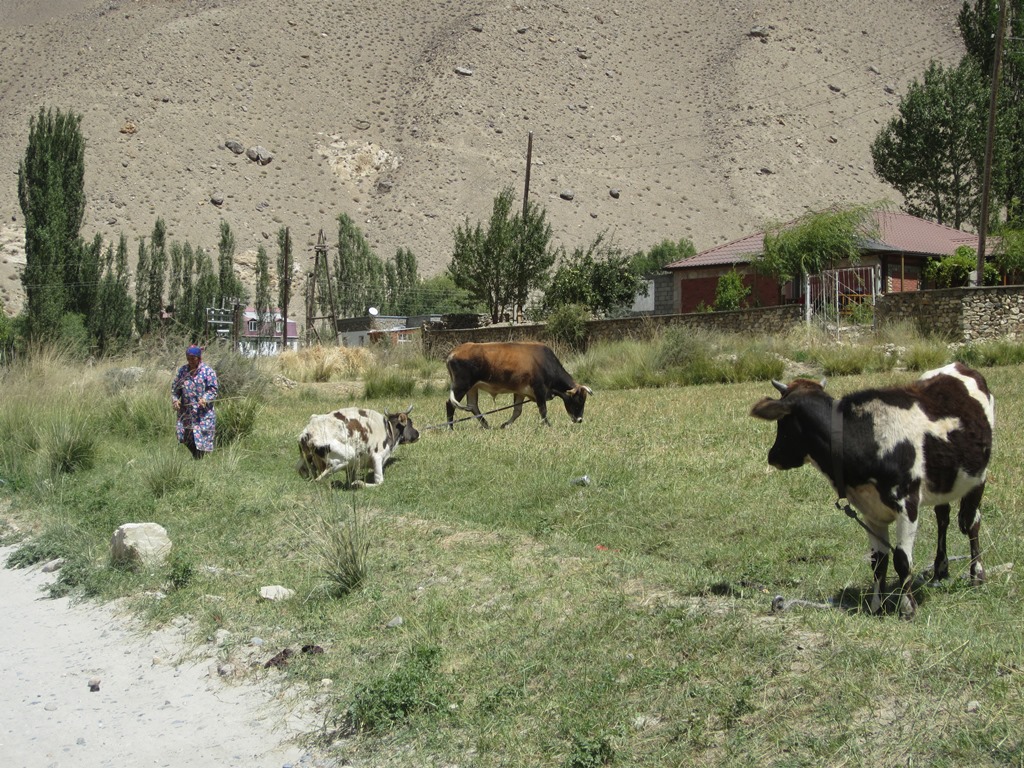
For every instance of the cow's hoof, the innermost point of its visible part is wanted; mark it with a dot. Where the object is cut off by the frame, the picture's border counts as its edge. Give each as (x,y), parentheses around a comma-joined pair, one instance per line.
(356,484)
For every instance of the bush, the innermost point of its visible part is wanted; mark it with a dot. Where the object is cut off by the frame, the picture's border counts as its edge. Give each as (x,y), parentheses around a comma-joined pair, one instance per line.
(413,687)
(236,418)
(730,291)
(167,472)
(141,413)
(238,375)
(69,443)
(387,382)
(568,325)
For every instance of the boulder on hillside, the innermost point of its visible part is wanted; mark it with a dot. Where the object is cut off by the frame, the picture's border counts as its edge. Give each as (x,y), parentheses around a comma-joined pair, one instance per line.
(140,544)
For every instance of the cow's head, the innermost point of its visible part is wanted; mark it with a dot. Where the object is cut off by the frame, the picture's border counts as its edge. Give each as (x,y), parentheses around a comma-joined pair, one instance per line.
(792,446)
(575,401)
(401,423)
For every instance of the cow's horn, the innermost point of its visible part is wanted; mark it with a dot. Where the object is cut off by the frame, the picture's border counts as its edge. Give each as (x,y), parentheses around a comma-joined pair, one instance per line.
(780,386)
(409,409)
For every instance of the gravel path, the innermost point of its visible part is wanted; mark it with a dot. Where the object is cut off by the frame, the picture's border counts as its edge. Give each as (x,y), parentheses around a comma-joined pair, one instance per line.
(149,709)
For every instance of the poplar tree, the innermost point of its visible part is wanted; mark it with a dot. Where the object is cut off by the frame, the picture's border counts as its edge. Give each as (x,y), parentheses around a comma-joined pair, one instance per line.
(142,326)
(359,272)
(229,286)
(157,274)
(51,193)
(264,310)
(207,286)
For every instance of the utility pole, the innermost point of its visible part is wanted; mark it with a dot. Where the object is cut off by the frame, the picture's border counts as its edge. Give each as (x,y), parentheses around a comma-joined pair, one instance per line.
(986,181)
(529,160)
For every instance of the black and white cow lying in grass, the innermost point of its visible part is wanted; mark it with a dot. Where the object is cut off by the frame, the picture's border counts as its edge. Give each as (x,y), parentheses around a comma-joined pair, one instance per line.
(890,452)
(354,440)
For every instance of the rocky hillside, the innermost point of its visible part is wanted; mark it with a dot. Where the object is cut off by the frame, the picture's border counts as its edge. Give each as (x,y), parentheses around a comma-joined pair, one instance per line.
(704,119)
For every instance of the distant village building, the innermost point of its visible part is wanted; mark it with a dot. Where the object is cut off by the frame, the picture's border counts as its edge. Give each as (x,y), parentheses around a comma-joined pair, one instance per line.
(368,329)
(904,245)
(257,341)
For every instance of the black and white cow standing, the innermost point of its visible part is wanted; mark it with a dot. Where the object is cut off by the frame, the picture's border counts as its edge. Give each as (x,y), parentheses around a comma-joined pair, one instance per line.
(352,439)
(890,452)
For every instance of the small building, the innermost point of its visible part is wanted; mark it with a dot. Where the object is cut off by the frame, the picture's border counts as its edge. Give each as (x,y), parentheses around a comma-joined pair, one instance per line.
(259,339)
(396,329)
(904,245)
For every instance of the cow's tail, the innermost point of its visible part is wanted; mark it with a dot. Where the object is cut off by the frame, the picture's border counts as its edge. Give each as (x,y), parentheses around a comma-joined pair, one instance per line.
(456,403)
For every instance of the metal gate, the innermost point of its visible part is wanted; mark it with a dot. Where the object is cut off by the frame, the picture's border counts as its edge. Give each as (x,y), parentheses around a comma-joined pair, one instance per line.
(842,298)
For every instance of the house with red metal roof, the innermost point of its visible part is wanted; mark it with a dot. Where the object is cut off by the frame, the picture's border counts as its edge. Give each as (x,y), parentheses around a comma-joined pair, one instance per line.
(904,245)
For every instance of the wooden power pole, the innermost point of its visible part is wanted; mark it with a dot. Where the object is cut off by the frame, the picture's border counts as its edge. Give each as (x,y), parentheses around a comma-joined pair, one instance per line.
(320,257)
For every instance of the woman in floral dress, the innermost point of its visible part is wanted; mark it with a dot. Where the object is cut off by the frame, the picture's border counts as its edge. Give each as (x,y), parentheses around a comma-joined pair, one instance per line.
(192,394)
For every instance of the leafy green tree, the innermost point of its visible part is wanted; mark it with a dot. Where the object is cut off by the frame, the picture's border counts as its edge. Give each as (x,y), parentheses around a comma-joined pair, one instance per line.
(439,295)
(816,242)
(207,287)
(978,24)
(157,274)
(359,272)
(112,324)
(932,152)
(954,271)
(665,252)
(1009,255)
(401,276)
(85,290)
(186,306)
(502,265)
(264,302)
(51,193)
(174,284)
(601,278)
(229,286)
(284,271)
(730,291)
(8,337)
(142,276)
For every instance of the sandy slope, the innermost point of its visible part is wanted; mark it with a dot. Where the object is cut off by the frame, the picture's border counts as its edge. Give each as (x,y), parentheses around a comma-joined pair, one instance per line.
(707,130)
(150,709)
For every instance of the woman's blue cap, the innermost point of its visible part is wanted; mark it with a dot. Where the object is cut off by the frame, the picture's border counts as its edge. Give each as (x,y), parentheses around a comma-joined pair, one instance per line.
(194,350)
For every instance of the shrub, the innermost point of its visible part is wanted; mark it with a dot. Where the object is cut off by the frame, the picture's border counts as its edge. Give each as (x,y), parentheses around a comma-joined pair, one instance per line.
(166,473)
(69,443)
(590,752)
(140,413)
(340,551)
(236,418)
(238,375)
(413,687)
(730,291)
(568,325)
(381,382)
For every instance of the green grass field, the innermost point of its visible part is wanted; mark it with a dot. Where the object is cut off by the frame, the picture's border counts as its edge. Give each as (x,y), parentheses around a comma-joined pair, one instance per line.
(625,622)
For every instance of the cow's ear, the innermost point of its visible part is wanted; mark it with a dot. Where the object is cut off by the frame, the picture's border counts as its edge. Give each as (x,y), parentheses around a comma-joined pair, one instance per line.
(770,409)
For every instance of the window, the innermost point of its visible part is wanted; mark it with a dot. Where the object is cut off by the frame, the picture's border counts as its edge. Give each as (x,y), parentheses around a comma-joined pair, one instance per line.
(277,326)
(252,326)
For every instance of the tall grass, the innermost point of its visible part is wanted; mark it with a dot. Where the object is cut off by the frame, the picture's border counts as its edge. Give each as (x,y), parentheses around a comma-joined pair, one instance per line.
(483,608)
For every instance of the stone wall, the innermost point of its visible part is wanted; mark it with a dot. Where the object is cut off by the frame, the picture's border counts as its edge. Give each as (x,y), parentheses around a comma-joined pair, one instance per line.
(958,314)
(761,321)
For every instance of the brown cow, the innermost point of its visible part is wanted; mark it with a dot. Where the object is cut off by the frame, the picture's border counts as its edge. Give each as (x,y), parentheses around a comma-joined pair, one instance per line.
(527,370)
